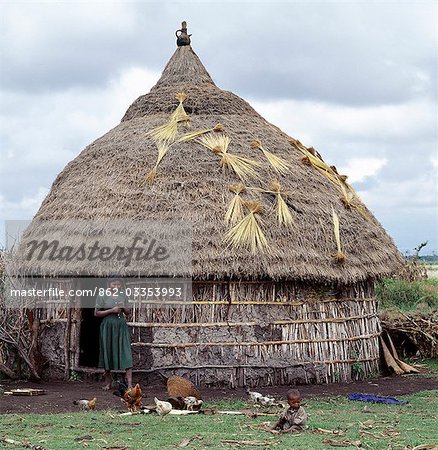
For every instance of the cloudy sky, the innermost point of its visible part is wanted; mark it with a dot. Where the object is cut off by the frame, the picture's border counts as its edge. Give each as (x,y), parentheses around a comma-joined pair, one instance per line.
(355,80)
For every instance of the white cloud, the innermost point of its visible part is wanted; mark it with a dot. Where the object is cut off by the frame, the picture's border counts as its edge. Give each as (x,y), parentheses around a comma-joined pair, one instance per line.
(132,83)
(315,122)
(25,207)
(39,34)
(402,195)
(358,169)
(49,130)
(407,209)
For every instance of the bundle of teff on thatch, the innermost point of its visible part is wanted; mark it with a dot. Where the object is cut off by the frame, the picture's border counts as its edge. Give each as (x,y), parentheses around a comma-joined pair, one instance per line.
(284,252)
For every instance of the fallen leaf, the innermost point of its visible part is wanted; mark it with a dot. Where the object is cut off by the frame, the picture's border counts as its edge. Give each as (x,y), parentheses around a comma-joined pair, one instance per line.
(391,433)
(255,443)
(337,432)
(115,448)
(369,422)
(186,442)
(375,436)
(23,444)
(426,447)
(250,414)
(345,443)
(129,424)
(84,438)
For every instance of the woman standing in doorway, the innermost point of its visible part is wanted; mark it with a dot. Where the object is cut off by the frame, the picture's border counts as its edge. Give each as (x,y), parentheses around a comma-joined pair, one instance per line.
(115,344)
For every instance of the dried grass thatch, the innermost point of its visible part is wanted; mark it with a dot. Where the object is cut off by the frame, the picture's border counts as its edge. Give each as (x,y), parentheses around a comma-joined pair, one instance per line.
(107,180)
(195,134)
(162,147)
(279,164)
(247,233)
(167,132)
(349,197)
(284,215)
(235,210)
(340,257)
(244,168)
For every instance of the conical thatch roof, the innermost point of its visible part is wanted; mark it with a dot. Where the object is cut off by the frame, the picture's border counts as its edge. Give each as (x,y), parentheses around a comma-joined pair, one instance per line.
(107,180)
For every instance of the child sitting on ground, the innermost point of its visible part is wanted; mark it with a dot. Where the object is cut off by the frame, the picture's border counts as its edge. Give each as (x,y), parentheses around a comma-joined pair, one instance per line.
(294,419)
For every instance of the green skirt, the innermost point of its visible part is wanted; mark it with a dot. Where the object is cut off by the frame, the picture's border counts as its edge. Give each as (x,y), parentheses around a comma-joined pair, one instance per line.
(115,344)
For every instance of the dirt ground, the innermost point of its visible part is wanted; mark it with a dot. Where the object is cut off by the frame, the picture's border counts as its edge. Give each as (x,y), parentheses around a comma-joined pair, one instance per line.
(60,394)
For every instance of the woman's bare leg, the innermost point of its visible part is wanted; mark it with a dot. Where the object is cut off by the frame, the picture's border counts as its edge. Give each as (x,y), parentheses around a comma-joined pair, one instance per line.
(129,377)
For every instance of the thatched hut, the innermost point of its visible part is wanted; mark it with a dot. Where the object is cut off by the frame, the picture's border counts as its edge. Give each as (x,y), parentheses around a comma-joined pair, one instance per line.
(284,254)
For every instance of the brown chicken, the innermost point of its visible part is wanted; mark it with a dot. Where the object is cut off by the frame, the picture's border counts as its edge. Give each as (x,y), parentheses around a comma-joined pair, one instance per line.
(181,387)
(132,398)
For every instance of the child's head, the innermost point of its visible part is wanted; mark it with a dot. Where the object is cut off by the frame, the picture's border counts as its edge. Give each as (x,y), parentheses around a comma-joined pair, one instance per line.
(294,398)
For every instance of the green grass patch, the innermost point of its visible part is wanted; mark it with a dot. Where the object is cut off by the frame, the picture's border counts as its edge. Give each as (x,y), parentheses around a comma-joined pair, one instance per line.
(431,365)
(376,427)
(407,296)
(431,282)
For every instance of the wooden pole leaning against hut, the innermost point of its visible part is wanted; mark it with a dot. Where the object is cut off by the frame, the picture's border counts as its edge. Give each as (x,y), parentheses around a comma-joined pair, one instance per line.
(273,305)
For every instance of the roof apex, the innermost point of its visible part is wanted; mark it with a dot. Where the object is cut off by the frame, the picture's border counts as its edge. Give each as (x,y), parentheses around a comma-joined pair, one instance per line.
(184,67)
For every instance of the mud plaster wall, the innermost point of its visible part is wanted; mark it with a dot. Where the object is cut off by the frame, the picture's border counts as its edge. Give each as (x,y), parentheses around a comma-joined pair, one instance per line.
(52,339)
(304,362)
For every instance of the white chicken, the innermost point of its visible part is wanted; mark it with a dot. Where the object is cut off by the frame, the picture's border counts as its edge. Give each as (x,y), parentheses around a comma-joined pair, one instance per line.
(254,396)
(163,408)
(266,401)
(192,402)
(86,405)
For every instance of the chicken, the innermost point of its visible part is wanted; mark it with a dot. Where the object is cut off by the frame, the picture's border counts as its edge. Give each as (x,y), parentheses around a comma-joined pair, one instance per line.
(163,408)
(181,387)
(177,403)
(254,396)
(121,388)
(192,403)
(86,405)
(131,397)
(266,401)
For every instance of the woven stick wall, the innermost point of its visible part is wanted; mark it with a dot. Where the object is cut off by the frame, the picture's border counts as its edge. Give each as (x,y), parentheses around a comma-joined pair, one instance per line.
(242,333)
(255,334)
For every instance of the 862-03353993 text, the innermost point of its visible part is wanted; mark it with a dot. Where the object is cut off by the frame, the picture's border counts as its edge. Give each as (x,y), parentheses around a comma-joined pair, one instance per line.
(130,292)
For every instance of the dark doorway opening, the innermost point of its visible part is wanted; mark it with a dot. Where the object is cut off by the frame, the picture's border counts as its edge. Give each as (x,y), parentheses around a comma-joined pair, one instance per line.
(90,325)
(89,341)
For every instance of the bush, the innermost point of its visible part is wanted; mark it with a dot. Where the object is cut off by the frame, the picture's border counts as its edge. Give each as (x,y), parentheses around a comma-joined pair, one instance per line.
(406,295)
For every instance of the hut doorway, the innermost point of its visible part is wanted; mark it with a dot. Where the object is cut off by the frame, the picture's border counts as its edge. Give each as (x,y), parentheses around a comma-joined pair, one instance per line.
(89,328)
(89,340)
